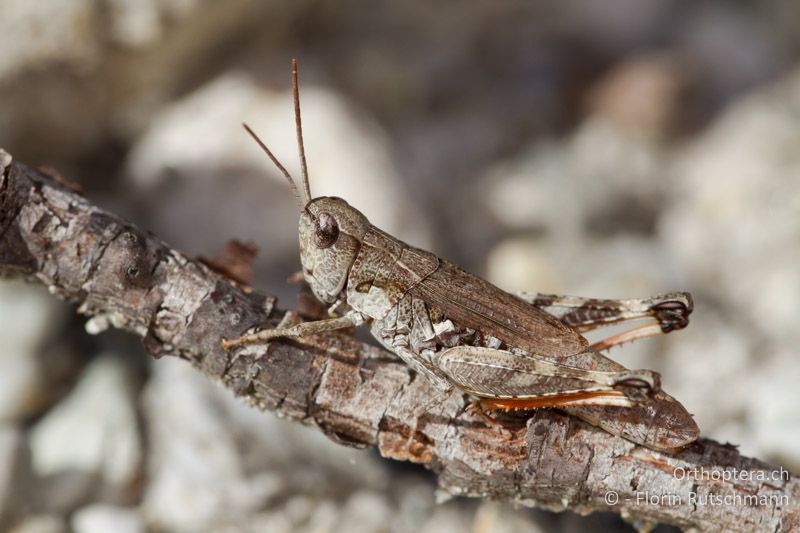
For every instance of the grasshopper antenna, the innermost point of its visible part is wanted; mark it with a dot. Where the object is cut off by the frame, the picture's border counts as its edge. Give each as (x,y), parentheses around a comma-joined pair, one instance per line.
(299,127)
(274,159)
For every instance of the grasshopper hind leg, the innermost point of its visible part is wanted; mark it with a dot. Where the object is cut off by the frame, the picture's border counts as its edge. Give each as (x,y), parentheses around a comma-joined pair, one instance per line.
(660,423)
(506,382)
(669,312)
(303,329)
(487,408)
(500,374)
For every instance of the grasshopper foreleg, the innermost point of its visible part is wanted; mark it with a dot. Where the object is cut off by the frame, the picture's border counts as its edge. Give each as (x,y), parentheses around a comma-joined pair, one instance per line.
(349,320)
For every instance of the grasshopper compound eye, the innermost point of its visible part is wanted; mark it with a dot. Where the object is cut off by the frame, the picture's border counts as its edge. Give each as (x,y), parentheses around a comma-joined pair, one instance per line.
(326,231)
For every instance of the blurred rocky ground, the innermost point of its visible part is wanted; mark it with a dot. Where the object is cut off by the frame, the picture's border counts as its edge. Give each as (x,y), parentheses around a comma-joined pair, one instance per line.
(612,149)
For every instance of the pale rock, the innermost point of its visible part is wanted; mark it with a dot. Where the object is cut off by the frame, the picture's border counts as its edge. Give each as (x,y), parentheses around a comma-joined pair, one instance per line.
(309,459)
(93,430)
(530,191)
(607,177)
(495,517)
(416,501)
(772,413)
(267,486)
(617,267)
(524,264)
(563,187)
(725,211)
(27,316)
(65,491)
(609,163)
(16,480)
(275,522)
(46,523)
(70,36)
(324,517)
(706,366)
(447,518)
(214,459)
(732,227)
(365,512)
(21,387)
(103,518)
(77,35)
(134,23)
(197,476)
(640,94)
(299,508)
(735,222)
(347,153)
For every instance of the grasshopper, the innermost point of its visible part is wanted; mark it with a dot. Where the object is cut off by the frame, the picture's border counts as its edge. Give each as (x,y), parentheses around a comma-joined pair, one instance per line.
(510,352)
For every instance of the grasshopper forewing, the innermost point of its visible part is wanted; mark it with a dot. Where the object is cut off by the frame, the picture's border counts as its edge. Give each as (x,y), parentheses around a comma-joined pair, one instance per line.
(461,332)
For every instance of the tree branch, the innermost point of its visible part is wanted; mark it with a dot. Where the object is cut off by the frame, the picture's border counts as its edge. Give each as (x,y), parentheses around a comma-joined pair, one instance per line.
(361,395)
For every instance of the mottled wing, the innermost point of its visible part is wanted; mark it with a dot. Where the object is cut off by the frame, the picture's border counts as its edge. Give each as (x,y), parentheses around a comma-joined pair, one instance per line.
(472,302)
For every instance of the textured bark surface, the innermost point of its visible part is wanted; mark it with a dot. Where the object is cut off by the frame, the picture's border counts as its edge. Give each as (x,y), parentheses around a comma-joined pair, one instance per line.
(360,395)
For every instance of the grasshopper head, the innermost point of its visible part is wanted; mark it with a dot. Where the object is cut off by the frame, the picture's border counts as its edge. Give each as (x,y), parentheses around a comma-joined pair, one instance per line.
(330,229)
(331,232)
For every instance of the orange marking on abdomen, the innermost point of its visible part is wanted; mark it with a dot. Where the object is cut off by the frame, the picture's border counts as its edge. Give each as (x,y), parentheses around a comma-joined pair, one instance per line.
(560,400)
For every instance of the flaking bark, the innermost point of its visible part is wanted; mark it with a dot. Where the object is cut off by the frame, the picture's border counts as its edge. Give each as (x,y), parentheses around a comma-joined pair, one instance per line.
(361,395)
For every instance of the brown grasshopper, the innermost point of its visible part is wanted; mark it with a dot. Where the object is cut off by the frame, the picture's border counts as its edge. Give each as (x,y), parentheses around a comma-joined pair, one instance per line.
(511,352)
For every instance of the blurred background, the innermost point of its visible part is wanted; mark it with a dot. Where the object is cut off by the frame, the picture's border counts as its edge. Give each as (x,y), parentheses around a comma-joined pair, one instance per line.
(607,149)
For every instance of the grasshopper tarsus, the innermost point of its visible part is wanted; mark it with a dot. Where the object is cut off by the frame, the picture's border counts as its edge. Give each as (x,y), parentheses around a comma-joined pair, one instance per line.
(674,314)
(303,329)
